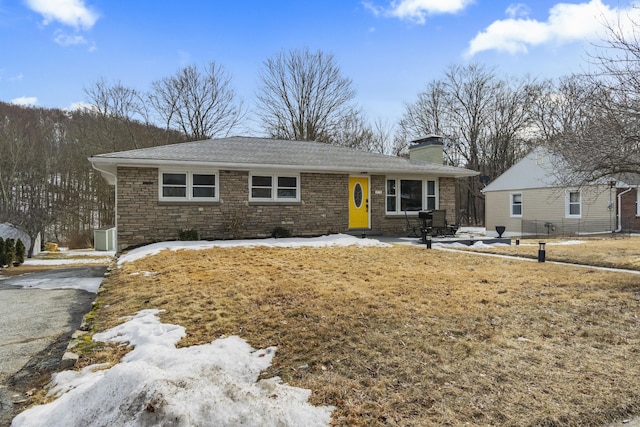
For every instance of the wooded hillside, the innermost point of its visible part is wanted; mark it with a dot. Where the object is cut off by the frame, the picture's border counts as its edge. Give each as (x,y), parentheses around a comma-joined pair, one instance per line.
(46,183)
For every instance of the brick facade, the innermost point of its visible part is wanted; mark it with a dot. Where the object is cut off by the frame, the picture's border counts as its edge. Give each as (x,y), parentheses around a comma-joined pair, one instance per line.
(323,208)
(628,210)
(397,224)
(143,219)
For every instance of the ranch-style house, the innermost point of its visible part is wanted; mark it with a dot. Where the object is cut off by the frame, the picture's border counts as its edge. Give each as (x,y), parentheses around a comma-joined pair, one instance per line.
(245,187)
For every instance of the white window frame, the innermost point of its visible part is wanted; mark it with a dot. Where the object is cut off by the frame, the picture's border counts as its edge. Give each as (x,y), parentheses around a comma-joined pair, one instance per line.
(512,204)
(425,196)
(274,188)
(568,204)
(189,186)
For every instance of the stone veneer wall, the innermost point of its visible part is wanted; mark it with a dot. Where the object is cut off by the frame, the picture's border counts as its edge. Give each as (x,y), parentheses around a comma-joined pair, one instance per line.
(447,189)
(323,209)
(397,224)
(142,218)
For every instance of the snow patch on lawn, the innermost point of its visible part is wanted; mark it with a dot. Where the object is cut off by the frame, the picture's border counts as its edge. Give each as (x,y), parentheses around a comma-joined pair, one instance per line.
(568,242)
(53,262)
(66,256)
(295,242)
(159,384)
(89,284)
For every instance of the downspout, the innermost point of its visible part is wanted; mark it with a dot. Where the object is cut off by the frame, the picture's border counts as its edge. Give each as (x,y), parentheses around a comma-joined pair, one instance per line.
(619,229)
(115,213)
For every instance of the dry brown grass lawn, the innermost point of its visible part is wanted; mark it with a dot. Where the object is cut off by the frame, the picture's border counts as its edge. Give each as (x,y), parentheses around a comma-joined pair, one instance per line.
(614,252)
(405,335)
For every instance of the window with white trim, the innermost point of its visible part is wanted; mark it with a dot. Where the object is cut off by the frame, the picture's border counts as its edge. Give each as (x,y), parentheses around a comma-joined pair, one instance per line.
(410,195)
(275,188)
(431,195)
(516,204)
(574,204)
(188,186)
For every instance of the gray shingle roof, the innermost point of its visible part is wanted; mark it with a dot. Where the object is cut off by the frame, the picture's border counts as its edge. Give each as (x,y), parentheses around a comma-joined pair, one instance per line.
(251,153)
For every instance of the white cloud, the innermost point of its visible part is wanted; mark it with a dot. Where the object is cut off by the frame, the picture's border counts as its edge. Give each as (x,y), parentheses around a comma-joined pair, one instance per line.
(417,10)
(68,12)
(64,39)
(16,78)
(566,23)
(25,101)
(517,9)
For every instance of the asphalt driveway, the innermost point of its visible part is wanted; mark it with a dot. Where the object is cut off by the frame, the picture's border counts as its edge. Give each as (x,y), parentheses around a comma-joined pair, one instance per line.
(38,314)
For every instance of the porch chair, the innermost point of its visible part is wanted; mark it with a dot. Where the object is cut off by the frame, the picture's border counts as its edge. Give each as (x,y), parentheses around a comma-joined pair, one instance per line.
(413,224)
(440,226)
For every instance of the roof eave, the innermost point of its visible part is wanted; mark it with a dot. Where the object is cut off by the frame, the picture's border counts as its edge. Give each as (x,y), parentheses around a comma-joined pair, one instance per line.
(110,164)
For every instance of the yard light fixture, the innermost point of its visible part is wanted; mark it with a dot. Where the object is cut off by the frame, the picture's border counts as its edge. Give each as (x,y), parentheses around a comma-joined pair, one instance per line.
(541,252)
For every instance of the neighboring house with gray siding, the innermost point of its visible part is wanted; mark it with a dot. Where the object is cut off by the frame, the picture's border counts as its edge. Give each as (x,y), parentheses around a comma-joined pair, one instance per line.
(531,198)
(242,187)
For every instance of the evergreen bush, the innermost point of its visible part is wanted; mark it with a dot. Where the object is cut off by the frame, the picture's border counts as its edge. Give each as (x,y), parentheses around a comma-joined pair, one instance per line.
(20,252)
(9,252)
(280,232)
(2,255)
(192,234)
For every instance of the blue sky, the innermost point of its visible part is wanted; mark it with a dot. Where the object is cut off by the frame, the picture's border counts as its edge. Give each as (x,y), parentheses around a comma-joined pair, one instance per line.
(53,49)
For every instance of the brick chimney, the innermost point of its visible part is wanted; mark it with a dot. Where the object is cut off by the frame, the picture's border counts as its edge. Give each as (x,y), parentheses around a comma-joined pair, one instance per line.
(428,149)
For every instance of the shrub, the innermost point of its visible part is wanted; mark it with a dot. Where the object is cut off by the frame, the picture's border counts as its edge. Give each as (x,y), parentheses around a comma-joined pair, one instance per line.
(9,252)
(192,234)
(2,254)
(280,232)
(79,239)
(20,252)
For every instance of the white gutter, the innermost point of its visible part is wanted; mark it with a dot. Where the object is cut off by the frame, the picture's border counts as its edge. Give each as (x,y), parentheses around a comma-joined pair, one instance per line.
(619,229)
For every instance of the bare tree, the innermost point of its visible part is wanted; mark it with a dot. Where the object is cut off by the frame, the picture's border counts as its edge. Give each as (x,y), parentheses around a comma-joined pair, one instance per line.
(29,141)
(117,108)
(382,137)
(201,104)
(303,96)
(46,183)
(352,131)
(424,116)
(117,101)
(561,107)
(607,143)
(482,118)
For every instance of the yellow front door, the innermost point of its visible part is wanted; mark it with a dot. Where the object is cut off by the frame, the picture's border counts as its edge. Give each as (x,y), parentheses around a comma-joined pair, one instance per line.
(359,202)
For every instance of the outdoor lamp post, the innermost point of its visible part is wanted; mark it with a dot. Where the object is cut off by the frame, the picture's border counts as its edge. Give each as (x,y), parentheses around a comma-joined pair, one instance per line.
(541,252)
